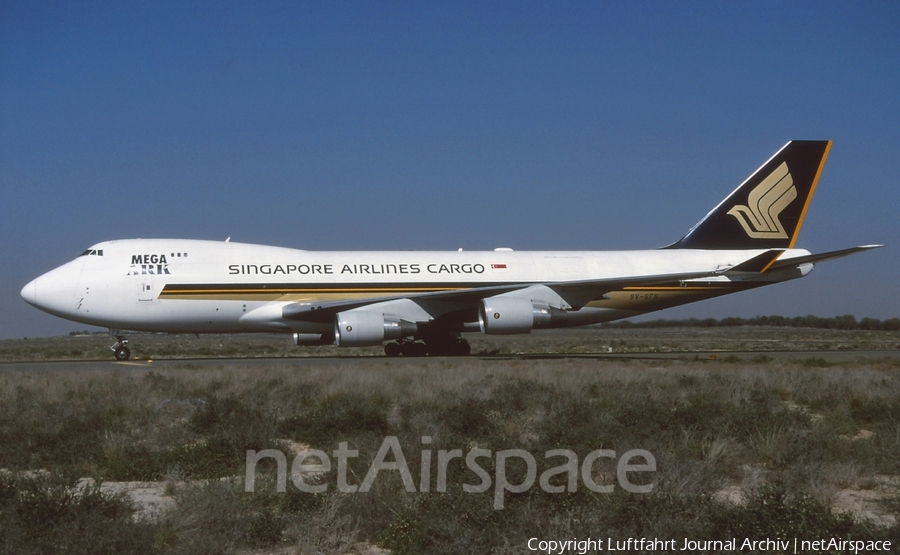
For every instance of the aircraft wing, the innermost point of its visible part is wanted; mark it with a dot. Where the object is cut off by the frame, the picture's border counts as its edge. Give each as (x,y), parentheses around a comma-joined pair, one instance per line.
(576,293)
(324,311)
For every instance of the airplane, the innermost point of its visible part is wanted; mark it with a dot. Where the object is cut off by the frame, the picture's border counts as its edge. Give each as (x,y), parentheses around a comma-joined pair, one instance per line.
(421,303)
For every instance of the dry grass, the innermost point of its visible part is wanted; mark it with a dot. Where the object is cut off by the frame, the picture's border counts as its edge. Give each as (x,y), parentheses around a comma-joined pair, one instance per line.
(741,446)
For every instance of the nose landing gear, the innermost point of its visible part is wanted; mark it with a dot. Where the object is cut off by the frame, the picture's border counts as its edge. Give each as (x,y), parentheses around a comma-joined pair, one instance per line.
(120,349)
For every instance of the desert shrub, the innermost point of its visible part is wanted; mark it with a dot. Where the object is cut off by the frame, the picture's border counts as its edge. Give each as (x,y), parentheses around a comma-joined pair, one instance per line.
(37,433)
(263,528)
(818,362)
(871,410)
(452,522)
(46,513)
(336,417)
(226,428)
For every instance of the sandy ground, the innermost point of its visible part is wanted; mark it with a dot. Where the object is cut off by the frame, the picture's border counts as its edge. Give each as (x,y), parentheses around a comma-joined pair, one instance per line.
(151,500)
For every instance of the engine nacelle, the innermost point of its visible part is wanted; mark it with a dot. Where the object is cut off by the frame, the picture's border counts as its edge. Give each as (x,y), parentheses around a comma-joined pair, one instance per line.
(364,328)
(312,339)
(546,316)
(511,315)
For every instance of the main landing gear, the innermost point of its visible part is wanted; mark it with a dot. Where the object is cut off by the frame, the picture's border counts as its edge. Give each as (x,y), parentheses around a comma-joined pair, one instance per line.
(436,346)
(120,349)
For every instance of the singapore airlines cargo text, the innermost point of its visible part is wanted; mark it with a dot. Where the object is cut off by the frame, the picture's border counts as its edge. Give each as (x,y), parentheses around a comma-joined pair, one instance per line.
(358,269)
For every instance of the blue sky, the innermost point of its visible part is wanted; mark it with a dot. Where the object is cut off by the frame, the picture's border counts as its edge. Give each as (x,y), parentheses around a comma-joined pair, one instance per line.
(429,125)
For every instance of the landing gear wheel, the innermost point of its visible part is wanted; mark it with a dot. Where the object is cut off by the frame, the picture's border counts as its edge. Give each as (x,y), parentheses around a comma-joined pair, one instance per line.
(119,349)
(122,353)
(392,349)
(412,349)
(461,348)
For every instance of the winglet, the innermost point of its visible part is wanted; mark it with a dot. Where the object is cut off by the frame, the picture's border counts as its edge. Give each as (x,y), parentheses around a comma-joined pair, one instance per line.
(767,209)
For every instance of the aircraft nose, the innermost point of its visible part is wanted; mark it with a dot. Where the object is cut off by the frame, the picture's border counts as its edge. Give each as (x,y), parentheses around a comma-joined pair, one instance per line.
(54,292)
(29,293)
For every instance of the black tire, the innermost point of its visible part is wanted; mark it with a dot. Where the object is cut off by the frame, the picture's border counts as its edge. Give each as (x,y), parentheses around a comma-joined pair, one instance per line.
(392,349)
(122,353)
(413,349)
(462,348)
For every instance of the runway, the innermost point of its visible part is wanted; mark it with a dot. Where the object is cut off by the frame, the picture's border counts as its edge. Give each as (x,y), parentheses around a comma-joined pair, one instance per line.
(822,357)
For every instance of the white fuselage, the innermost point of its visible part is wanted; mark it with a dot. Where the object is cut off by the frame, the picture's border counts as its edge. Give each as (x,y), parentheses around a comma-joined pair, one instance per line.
(173,285)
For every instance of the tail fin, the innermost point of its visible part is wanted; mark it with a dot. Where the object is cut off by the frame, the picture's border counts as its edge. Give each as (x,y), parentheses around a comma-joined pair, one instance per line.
(767,209)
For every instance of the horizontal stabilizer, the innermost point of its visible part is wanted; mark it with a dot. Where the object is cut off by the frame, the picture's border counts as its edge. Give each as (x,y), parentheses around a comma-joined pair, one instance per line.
(813,258)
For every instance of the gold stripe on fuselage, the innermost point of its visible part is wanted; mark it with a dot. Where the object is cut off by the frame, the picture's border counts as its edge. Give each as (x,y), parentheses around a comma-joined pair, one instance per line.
(296,293)
(675,288)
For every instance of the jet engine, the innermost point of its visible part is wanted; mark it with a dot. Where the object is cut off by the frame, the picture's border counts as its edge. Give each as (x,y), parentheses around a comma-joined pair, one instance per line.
(512,315)
(311,339)
(363,328)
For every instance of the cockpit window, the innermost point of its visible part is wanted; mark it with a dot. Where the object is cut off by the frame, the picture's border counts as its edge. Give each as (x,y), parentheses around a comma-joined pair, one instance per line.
(92,252)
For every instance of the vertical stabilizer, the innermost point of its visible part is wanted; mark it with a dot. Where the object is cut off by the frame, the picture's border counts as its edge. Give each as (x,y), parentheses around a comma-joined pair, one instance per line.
(767,209)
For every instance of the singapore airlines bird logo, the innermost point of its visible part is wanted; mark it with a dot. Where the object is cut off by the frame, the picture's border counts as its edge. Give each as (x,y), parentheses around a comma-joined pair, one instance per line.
(765,203)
